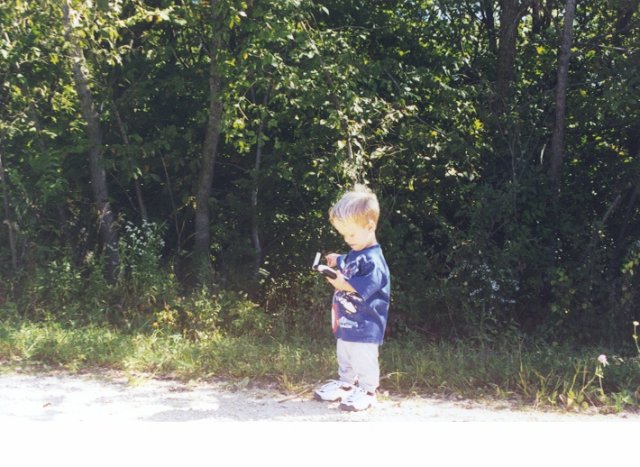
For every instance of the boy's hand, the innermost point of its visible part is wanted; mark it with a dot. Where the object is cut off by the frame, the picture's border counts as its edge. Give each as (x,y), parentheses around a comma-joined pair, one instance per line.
(340,283)
(332,259)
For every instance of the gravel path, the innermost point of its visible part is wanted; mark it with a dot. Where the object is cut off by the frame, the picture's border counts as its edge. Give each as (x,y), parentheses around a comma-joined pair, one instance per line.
(118,398)
(113,419)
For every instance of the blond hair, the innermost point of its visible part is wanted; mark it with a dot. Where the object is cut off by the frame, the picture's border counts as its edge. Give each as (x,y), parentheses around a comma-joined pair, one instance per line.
(359,206)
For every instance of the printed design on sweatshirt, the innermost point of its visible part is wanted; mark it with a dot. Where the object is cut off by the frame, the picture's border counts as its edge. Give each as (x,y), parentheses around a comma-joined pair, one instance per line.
(346,323)
(347,299)
(347,303)
(351,268)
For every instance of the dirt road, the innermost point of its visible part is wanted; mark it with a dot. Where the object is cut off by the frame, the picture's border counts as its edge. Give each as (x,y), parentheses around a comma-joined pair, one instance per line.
(117,397)
(115,419)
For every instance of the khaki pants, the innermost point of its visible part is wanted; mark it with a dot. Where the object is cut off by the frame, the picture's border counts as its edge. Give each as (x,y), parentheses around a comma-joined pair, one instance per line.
(358,362)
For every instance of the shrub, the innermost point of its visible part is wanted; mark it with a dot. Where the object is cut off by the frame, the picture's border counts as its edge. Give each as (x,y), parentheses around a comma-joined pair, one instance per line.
(204,313)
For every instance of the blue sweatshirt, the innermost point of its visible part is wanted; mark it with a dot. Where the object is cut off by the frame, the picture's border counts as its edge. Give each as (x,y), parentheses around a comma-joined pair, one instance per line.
(362,316)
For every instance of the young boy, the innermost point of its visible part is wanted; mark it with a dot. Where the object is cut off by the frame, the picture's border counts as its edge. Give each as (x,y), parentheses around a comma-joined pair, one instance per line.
(360,302)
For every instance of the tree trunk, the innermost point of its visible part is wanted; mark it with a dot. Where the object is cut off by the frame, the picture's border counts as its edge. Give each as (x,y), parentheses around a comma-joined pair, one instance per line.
(623,239)
(141,204)
(174,210)
(541,15)
(557,137)
(255,231)
(625,12)
(490,24)
(7,219)
(106,218)
(209,151)
(511,12)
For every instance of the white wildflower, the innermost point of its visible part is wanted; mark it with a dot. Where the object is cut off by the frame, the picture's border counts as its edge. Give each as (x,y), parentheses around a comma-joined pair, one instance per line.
(603,359)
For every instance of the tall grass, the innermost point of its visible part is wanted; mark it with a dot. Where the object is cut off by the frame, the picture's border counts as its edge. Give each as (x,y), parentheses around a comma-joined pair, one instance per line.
(49,346)
(534,374)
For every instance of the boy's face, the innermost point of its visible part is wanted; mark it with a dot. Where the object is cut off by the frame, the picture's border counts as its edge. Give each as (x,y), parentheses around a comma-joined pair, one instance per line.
(357,236)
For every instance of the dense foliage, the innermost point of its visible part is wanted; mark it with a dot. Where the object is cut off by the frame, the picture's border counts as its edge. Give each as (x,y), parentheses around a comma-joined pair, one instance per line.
(124,124)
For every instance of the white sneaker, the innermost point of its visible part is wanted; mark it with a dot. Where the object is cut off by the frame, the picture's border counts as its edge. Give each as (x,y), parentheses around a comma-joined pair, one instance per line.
(333,390)
(359,399)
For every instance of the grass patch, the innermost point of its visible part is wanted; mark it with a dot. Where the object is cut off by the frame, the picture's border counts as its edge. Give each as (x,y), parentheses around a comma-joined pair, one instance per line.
(51,346)
(533,374)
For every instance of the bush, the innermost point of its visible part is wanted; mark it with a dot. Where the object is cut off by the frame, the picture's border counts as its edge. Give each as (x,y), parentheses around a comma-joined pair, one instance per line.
(203,314)
(299,304)
(64,293)
(143,280)
(76,294)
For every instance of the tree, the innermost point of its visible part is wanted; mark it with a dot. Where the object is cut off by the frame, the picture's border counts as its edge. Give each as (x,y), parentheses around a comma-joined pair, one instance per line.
(7,221)
(239,122)
(557,138)
(82,78)
(210,146)
(511,13)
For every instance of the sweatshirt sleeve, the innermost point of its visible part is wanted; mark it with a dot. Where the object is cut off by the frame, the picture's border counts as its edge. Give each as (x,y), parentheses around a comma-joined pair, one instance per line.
(368,280)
